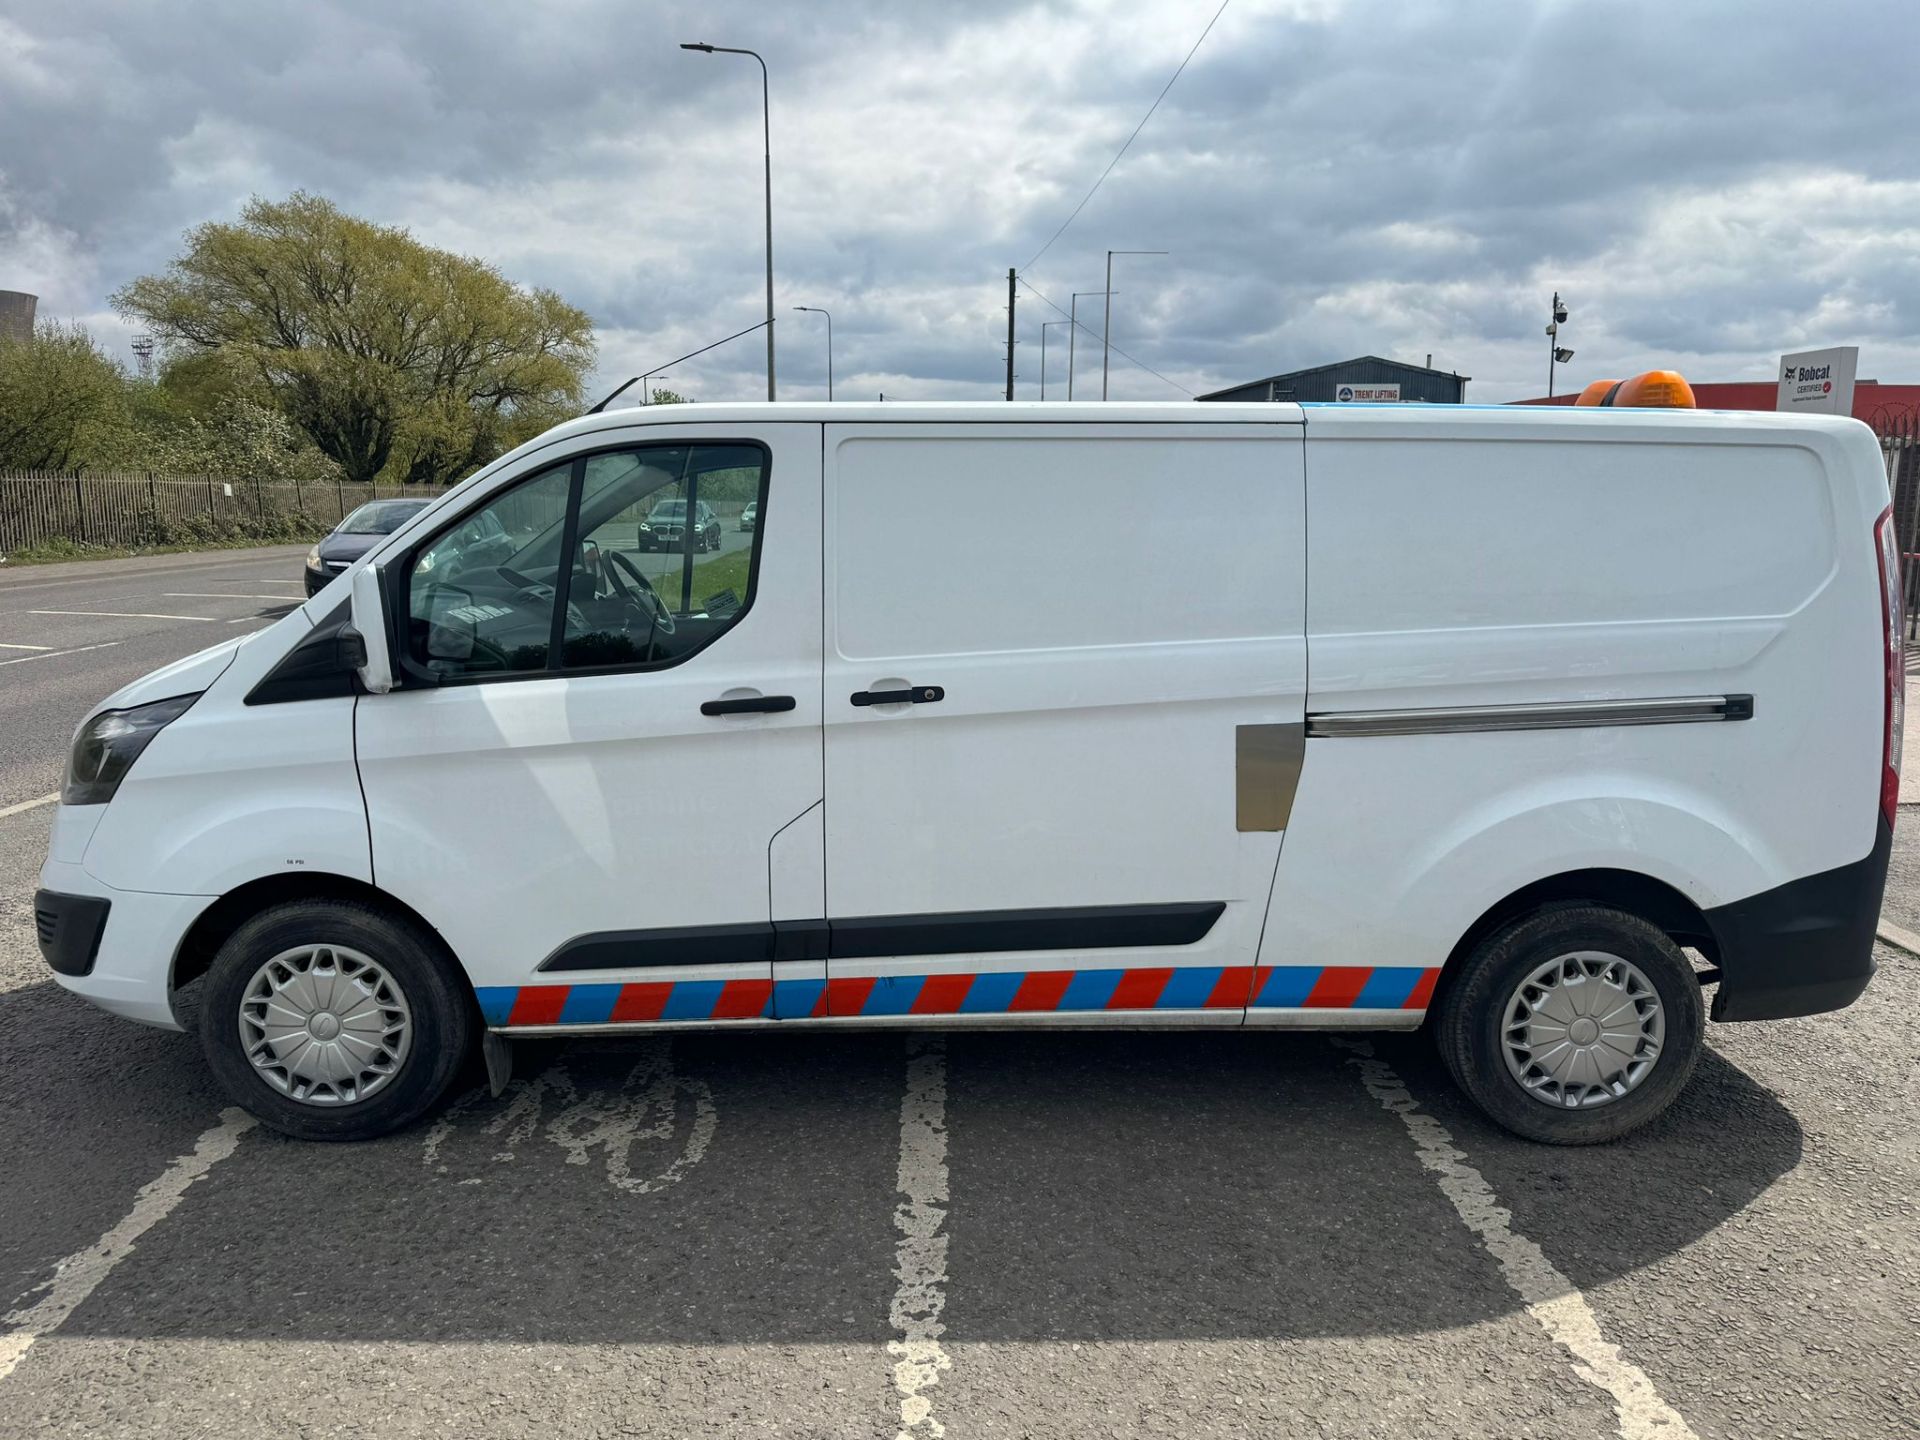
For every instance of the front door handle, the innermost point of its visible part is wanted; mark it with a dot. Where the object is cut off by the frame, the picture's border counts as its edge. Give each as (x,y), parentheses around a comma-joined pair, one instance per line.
(912,695)
(748,705)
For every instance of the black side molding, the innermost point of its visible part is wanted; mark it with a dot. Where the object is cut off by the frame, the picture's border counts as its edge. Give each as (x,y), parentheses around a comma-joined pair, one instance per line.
(320,667)
(680,945)
(1094,927)
(69,928)
(1804,947)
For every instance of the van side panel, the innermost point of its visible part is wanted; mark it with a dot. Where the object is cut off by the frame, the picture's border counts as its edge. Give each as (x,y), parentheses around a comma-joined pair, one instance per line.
(1108,621)
(1492,562)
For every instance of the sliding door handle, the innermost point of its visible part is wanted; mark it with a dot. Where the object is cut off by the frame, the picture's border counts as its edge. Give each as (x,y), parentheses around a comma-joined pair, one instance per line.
(748,705)
(911,695)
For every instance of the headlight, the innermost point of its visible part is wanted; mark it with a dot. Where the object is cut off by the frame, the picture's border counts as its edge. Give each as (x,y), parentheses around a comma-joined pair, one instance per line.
(313,559)
(109,743)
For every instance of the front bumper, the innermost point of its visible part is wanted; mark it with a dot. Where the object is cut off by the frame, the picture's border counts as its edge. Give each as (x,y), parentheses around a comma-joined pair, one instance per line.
(318,580)
(69,928)
(139,933)
(1804,947)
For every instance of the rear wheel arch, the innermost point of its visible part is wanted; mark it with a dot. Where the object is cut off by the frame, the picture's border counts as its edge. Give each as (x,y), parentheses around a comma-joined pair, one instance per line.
(1655,901)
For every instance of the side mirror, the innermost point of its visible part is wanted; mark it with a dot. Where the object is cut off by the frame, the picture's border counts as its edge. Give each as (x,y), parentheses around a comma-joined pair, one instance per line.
(370,620)
(450,623)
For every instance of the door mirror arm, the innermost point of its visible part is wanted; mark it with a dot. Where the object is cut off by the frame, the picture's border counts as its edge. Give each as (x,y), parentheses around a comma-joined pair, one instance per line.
(370,626)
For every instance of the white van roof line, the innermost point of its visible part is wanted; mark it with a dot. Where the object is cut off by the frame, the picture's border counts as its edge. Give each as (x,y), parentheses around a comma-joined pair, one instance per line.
(1183,412)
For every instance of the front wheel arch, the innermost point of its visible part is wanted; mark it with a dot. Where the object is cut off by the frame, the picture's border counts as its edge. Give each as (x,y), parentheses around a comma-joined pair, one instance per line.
(227,914)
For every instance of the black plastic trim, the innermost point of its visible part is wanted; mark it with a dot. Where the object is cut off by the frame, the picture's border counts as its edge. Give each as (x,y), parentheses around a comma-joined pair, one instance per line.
(800,939)
(69,928)
(1092,927)
(320,667)
(1088,927)
(1804,947)
(680,945)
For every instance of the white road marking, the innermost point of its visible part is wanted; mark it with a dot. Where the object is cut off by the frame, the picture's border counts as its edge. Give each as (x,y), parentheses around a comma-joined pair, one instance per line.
(77,1276)
(1893,934)
(121,615)
(228,595)
(1551,1298)
(920,1255)
(25,805)
(644,1110)
(5,646)
(56,654)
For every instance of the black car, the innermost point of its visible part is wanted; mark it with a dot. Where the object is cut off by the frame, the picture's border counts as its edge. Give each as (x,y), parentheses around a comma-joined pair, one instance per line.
(356,535)
(665,527)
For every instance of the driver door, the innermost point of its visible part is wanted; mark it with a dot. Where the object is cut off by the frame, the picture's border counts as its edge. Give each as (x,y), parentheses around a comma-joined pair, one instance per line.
(595,741)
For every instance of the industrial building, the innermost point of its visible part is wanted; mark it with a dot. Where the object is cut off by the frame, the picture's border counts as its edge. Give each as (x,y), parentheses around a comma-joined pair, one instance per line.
(1366,380)
(16,314)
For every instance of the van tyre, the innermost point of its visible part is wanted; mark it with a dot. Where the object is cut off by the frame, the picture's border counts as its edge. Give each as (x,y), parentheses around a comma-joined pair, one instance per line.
(1572,1026)
(335,1019)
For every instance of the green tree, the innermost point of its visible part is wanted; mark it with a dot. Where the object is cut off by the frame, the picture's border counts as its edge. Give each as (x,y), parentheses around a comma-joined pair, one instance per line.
(392,356)
(63,401)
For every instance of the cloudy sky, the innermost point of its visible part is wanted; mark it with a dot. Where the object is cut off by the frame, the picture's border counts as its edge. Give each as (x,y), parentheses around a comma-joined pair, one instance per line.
(1705,184)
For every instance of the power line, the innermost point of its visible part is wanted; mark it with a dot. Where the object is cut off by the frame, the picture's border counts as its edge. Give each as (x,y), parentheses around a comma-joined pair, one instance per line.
(1116,349)
(1130,139)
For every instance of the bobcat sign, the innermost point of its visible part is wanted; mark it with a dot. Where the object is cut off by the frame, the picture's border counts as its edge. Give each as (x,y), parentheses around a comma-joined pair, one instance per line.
(1818,382)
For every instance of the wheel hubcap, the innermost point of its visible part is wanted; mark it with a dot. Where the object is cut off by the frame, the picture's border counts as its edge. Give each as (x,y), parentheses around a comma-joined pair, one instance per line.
(325,1025)
(1583,1030)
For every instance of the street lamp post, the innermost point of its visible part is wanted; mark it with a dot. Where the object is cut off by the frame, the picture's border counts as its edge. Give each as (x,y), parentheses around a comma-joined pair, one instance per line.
(1556,353)
(766,127)
(1046,326)
(1106,324)
(1073,314)
(816,310)
(646,385)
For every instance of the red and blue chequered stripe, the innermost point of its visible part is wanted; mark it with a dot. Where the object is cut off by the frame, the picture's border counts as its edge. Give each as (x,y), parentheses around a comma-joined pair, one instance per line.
(1304,987)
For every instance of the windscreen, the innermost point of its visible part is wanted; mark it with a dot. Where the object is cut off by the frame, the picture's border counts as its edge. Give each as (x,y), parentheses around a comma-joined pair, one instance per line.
(380,517)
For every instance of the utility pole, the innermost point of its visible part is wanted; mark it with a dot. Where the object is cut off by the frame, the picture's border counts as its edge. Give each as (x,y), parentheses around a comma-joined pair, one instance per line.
(1013,279)
(1556,352)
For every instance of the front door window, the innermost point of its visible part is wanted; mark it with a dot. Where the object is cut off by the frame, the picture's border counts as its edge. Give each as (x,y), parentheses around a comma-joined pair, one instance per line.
(632,558)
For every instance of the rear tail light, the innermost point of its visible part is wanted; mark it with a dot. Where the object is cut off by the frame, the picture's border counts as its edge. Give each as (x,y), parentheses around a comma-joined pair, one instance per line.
(1895,688)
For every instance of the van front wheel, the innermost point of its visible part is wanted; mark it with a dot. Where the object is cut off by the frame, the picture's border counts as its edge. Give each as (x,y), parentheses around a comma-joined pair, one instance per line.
(334,1020)
(1573,1026)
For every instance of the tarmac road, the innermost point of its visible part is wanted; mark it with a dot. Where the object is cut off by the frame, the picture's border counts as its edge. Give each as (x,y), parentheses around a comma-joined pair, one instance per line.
(975,1235)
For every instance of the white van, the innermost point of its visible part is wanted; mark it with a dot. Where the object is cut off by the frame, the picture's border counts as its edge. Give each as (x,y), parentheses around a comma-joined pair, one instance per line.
(1064,715)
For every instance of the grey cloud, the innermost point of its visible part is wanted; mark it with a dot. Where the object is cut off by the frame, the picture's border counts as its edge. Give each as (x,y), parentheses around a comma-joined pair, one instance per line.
(1389,179)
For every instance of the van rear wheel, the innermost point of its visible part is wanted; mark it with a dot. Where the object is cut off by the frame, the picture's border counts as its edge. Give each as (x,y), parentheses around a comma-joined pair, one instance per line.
(1573,1026)
(335,1020)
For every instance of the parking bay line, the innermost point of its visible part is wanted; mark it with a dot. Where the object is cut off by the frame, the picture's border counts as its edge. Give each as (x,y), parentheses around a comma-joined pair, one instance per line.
(228,595)
(80,1274)
(920,1254)
(1550,1297)
(123,615)
(56,654)
(6,646)
(26,805)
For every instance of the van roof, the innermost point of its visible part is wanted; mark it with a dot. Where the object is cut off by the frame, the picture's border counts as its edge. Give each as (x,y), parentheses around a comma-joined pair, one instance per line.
(1520,418)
